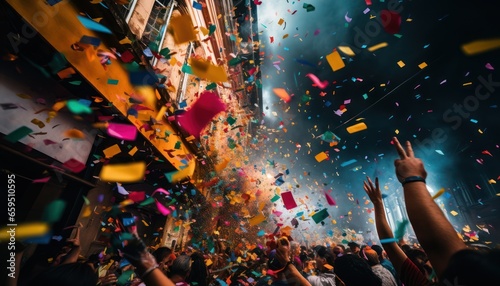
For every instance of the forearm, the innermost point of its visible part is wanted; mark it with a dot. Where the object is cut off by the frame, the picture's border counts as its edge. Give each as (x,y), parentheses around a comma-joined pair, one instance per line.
(431,226)
(294,277)
(396,255)
(157,278)
(383,229)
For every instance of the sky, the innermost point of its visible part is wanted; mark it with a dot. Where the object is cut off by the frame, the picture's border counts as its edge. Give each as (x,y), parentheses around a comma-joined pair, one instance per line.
(420,87)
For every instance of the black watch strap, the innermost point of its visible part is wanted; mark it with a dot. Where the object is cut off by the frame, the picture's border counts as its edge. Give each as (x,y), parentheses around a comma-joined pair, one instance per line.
(412,179)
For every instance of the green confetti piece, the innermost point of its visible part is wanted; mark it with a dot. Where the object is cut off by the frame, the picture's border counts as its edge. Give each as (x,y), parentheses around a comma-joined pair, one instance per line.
(57,63)
(125,277)
(165,52)
(18,134)
(211,86)
(275,198)
(177,145)
(76,82)
(186,69)
(401,229)
(320,216)
(77,108)
(147,201)
(112,81)
(53,211)
(87,202)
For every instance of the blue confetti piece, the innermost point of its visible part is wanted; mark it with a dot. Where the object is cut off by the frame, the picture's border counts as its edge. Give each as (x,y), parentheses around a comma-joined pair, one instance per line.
(347,163)
(365,96)
(473,120)
(92,25)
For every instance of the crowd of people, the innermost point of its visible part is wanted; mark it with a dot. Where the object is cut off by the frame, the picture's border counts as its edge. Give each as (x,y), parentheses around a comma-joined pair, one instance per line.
(440,258)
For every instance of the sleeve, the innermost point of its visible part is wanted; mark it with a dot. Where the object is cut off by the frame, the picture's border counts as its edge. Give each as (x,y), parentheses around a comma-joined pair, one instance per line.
(411,276)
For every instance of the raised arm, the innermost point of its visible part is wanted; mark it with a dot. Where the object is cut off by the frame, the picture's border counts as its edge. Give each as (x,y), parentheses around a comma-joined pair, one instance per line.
(434,232)
(396,255)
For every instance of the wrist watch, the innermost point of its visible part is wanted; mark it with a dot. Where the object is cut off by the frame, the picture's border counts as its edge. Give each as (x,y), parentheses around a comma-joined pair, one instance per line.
(412,179)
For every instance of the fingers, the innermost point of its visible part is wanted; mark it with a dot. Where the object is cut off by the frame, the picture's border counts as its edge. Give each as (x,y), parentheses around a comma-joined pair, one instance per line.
(399,148)
(409,149)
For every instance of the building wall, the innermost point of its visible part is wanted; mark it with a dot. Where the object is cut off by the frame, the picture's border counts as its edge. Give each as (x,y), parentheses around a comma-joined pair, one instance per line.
(140,16)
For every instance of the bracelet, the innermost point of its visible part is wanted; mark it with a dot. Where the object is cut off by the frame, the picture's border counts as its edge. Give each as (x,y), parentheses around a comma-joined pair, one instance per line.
(147,272)
(412,179)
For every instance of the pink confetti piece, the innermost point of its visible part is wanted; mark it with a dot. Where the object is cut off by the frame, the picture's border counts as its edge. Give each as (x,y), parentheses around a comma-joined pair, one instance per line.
(489,66)
(41,180)
(161,190)
(317,82)
(162,209)
(443,82)
(316,32)
(347,18)
(366,11)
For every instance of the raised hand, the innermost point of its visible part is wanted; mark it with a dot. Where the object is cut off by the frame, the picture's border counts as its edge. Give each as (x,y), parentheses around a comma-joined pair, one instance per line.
(373,191)
(407,165)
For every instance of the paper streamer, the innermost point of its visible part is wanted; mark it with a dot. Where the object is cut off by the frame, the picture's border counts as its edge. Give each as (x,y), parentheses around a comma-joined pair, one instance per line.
(317,82)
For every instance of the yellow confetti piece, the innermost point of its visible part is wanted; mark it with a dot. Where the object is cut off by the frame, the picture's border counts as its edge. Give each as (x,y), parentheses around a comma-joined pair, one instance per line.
(401,64)
(257,219)
(124,173)
(370,220)
(335,61)
(347,50)
(281,21)
(377,46)
(133,151)
(87,211)
(25,230)
(321,157)
(491,181)
(467,83)
(334,221)
(145,223)
(357,127)
(396,131)
(182,29)
(480,131)
(454,213)
(423,65)
(208,262)
(74,133)
(112,151)
(438,194)
(480,46)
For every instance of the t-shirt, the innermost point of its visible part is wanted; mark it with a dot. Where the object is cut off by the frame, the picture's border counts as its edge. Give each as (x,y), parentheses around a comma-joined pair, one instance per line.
(410,275)
(385,275)
(388,265)
(322,279)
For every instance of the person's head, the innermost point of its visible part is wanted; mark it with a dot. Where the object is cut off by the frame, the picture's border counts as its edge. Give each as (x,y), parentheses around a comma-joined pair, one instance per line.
(354,247)
(379,250)
(180,267)
(75,274)
(370,255)
(355,271)
(164,257)
(338,250)
(420,259)
(198,273)
(294,248)
(473,267)
(322,257)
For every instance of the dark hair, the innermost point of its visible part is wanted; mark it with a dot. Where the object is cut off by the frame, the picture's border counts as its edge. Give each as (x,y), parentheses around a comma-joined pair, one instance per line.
(181,266)
(75,274)
(353,244)
(473,267)
(378,249)
(355,271)
(161,253)
(325,253)
(198,272)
